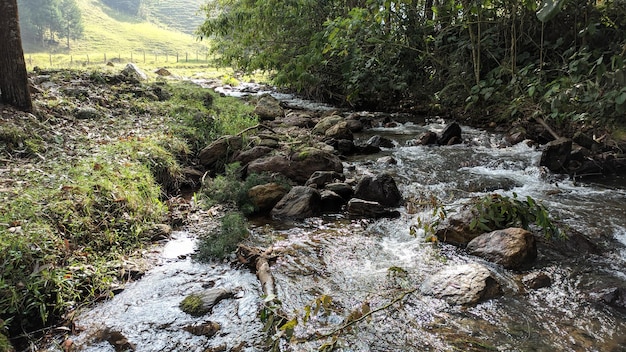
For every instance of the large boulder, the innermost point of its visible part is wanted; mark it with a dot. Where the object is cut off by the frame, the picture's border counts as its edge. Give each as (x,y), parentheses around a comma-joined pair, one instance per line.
(331,201)
(341,188)
(513,248)
(300,166)
(265,197)
(220,152)
(451,135)
(556,154)
(462,284)
(381,188)
(301,202)
(268,108)
(359,208)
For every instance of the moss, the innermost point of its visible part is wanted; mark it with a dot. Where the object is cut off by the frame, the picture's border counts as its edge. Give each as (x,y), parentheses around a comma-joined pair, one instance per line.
(193,305)
(5,344)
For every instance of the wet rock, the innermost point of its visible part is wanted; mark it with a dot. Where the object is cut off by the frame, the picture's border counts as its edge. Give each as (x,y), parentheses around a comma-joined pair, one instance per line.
(160,232)
(265,197)
(199,304)
(132,71)
(614,297)
(219,153)
(345,146)
(331,201)
(426,138)
(267,140)
(341,188)
(268,108)
(301,202)
(381,188)
(321,178)
(366,149)
(361,208)
(119,342)
(462,284)
(254,153)
(87,113)
(387,160)
(339,131)
(556,154)
(515,135)
(513,248)
(451,135)
(208,329)
(326,123)
(380,142)
(536,281)
(300,166)
(455,228)
(354,125)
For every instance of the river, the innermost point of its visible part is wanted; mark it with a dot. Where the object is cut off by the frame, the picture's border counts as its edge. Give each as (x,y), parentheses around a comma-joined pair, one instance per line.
(351,264)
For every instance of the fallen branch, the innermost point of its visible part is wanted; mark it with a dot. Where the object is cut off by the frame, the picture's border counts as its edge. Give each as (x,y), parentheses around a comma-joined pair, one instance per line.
(257,126)
(545,125)
(366,315)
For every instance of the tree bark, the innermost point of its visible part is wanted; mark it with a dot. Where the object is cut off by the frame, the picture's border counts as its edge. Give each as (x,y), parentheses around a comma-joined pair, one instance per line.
(14,88)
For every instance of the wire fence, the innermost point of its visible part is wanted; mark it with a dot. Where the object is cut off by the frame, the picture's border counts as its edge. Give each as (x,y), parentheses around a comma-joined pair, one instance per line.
(140,56)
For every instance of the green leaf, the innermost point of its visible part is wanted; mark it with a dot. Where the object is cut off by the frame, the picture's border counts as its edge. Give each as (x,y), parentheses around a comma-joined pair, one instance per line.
(621,99)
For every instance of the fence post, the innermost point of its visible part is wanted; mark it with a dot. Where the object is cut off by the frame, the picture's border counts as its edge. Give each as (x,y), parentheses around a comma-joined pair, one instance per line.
(167,56)
(87,59)
(119,57)
(131,56)
(186,56)
(196,55)
(50,60)
(144,56)
(177,57)
(30,60)
(71,59)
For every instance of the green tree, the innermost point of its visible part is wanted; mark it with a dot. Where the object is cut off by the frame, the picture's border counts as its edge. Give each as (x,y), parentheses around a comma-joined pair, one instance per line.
(41,20)
(71,20)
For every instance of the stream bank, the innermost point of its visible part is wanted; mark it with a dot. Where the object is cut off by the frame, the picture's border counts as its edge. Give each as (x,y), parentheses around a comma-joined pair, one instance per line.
(337,267)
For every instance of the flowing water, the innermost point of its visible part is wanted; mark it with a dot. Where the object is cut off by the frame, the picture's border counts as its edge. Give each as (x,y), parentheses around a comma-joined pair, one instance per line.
(364,263)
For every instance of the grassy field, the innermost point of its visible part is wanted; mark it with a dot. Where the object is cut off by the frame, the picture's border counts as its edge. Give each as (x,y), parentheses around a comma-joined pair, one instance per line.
(113,36)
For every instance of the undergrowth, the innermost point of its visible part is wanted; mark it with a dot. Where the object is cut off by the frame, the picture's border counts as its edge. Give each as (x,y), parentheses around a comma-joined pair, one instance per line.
(224,240)
(78,197)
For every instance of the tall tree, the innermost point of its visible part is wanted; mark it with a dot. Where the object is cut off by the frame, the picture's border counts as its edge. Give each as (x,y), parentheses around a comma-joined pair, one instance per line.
(71,20)
(13,77)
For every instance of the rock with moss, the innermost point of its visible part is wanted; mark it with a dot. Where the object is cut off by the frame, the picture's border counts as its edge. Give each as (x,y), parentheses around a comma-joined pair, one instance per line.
(326,123)
(268,108)
(219,153)
(301,202)
(5,344)
(299,166)
(199,304)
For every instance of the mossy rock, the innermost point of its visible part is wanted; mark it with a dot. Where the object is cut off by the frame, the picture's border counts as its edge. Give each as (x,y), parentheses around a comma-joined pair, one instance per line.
(199,304)
(5,344)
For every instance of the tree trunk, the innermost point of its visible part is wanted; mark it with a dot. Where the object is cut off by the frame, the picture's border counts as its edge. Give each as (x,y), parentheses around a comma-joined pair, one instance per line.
(13,77)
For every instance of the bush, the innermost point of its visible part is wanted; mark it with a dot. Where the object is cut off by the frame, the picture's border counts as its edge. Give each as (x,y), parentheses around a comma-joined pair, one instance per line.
(496,211)
(220,243)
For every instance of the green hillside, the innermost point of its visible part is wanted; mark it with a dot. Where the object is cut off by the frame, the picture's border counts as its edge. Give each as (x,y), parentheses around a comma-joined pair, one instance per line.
(112,33)
(182,15)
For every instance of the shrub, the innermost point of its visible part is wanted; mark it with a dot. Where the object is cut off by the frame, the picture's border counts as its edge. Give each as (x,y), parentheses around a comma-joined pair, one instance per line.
(224,240)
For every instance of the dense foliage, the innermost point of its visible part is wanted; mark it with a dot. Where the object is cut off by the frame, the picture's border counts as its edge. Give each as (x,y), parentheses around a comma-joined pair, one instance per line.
(560,59)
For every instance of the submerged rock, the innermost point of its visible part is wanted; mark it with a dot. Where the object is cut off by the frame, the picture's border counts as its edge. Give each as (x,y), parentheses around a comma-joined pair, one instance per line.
(369,209)
(513,248)
(381,188)
(536,281)
(451,135)
(462,284)
(556,154)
